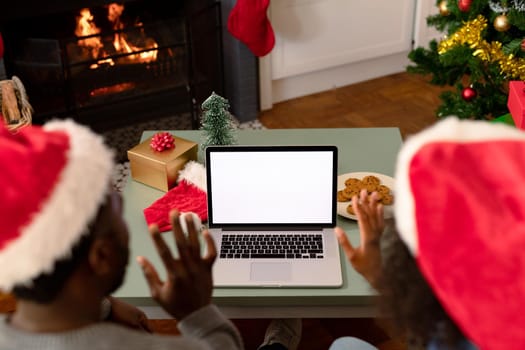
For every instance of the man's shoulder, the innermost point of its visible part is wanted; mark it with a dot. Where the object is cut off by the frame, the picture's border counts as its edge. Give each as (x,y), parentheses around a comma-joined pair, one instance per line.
(104,334)
(120,336)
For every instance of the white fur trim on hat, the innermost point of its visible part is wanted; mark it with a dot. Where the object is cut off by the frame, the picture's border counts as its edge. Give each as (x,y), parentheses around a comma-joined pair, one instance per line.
(64,216)
(449,129)
(195,174)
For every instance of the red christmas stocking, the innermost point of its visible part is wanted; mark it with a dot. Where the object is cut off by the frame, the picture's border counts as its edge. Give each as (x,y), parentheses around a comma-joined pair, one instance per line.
(248,23)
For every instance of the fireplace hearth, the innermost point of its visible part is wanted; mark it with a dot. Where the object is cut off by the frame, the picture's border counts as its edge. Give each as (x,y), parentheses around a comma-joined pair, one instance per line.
(113,64)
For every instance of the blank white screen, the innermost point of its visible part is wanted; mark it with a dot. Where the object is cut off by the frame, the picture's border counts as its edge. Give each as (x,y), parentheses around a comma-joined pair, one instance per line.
(270,187)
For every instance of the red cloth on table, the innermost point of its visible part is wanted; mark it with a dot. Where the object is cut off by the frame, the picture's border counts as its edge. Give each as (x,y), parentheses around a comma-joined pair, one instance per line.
(185,197)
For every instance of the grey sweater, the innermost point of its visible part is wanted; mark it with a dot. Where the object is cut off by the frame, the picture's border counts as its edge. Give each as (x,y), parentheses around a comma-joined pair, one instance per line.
(206,328)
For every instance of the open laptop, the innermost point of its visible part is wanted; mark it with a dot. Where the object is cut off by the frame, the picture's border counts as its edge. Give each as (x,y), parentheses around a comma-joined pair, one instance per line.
(271,212)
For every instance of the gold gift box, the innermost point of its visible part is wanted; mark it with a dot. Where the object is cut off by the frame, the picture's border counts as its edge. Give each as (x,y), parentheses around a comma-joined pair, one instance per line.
(160,169)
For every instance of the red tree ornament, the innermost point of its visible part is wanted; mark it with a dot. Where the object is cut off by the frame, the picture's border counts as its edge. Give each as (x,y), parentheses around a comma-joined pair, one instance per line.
(468,94)
(464,5)
(162,141)
(523,45)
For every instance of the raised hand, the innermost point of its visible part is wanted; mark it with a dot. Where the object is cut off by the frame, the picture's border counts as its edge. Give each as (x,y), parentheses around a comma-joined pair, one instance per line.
(188,285)
(366,257)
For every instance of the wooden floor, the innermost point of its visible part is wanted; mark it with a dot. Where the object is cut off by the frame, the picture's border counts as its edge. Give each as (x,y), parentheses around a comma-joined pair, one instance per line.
(400,100)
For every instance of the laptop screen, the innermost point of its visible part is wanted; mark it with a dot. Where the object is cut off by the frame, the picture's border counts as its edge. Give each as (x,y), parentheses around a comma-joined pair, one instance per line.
(263,186)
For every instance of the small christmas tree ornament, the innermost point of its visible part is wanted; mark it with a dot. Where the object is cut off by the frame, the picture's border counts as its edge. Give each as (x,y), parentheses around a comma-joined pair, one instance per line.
(468,94)
(443,8)
(523,45)
(162,141)
(217,122)
(501,23)
(464,5)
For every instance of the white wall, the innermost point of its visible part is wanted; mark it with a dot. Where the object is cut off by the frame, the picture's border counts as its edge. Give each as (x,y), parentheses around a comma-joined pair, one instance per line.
(322,44)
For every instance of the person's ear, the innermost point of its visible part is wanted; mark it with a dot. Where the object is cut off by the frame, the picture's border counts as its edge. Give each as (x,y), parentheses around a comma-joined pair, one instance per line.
(101,256)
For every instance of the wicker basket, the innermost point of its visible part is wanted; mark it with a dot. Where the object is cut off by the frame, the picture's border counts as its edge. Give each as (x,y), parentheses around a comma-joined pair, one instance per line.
(16,110)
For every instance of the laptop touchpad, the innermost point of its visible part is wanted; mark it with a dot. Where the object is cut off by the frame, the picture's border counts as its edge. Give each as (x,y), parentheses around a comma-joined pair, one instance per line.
(267,271)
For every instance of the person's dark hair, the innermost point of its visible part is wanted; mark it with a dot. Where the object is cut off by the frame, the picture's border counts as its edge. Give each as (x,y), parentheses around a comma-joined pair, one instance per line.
(407,298)
(45,287)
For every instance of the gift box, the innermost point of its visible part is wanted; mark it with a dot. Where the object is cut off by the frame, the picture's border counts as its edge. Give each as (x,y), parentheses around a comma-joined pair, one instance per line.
(516,102)
(160,169)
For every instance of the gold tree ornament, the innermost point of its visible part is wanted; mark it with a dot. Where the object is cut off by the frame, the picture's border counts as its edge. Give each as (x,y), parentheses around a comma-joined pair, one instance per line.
(471,34)
(443,8)
(501,23)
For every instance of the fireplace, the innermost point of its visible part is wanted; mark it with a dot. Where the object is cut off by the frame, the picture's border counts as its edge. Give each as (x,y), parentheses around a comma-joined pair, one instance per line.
(113,64)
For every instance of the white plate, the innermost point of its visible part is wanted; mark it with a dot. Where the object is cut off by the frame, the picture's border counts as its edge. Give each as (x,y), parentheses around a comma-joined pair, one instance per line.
(385,180)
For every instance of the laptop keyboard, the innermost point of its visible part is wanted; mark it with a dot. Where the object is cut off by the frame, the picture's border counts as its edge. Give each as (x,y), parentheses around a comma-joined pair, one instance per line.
(271,246)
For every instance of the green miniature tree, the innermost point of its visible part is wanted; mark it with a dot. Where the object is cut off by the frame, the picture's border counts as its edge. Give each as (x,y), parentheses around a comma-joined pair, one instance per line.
(217,122)
(482,49)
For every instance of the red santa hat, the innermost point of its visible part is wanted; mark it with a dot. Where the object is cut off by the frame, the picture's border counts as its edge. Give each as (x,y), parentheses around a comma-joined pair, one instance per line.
(460,209)
(189,196)
(53,178)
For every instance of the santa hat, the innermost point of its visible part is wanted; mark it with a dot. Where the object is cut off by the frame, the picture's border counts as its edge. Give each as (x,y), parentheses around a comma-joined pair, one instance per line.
(460,209)
(189,196)
(53,178)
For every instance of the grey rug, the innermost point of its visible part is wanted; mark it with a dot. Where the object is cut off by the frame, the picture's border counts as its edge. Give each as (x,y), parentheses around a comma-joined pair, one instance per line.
(122,139)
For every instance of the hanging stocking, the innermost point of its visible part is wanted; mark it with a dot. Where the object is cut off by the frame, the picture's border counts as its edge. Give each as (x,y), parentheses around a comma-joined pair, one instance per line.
(248,23)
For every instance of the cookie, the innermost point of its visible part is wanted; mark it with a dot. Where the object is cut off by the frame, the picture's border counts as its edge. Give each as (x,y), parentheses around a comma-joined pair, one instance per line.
(383,189)
(350,192)
(350,209)
(352,181)
(371,180)
(387,199)
(370,187)
(341,197)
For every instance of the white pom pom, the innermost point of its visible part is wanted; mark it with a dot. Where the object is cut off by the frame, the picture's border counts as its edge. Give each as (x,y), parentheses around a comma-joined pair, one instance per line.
(195,174)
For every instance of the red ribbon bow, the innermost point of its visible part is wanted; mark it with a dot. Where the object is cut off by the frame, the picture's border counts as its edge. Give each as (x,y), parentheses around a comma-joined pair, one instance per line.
(162,141)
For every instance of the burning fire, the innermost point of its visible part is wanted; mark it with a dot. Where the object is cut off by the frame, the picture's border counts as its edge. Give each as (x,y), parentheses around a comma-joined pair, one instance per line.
(89,38)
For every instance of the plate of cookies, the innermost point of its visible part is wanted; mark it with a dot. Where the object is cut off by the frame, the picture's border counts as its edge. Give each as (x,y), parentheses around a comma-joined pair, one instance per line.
(351,184)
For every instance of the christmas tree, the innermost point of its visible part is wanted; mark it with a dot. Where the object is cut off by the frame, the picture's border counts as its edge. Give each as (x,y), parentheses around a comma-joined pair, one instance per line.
(217,122)
(482,49)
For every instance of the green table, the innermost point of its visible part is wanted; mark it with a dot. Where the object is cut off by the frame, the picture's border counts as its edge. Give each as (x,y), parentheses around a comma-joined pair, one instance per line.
(360,149)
